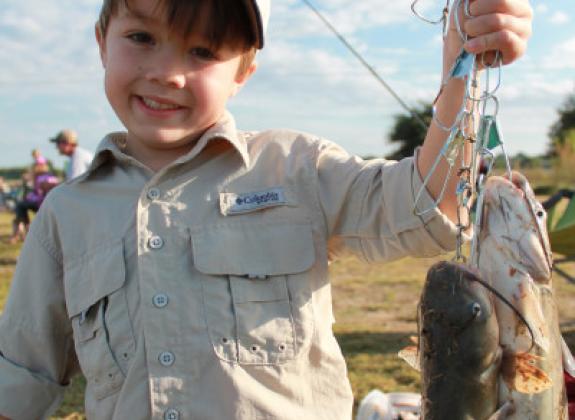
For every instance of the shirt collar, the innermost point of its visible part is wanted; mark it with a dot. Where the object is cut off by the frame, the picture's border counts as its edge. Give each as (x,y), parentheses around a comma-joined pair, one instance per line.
(114,144)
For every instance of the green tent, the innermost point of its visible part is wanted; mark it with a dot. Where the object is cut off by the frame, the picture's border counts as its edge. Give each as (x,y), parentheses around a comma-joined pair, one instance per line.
(561,228)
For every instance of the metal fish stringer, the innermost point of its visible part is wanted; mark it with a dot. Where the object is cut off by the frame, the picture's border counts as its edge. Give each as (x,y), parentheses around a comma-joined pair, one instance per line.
(507,276)
(475,125)
(460,133)
(489,138)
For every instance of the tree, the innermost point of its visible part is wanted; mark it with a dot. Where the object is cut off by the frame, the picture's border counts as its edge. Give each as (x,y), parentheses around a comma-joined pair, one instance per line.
(408,132)
(561,131)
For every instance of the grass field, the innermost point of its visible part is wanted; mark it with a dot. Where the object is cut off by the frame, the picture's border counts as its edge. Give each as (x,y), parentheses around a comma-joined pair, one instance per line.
(375,308)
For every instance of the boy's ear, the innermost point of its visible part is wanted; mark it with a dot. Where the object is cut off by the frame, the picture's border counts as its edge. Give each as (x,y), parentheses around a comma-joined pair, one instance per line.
(243,78)
(101,44)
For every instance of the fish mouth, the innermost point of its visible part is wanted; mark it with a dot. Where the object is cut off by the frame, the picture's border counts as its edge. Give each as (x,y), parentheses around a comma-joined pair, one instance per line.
(538,214)
(524,233)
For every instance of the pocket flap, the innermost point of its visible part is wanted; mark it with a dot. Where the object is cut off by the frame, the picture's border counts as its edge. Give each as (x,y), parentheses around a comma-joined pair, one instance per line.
(90,278)
(247,290)
(253,249)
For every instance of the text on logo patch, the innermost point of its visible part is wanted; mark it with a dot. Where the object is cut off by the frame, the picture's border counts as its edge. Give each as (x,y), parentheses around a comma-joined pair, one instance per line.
(245,202)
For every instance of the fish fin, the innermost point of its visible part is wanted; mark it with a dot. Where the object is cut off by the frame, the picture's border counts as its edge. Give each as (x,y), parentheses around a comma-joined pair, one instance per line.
(529,306)
(539,329)
(543,343)
(520,374)
(410,354)
(504,411)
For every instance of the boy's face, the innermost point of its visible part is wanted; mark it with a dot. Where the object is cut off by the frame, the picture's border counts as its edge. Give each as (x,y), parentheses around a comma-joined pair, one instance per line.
(166,89)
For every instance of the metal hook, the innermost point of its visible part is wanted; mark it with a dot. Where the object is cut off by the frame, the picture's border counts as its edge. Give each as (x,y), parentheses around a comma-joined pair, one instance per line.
(455,11)
(426,19)
(449,152)
(485,100)
(443,126)
(499,61)
(438,200)
(467,9)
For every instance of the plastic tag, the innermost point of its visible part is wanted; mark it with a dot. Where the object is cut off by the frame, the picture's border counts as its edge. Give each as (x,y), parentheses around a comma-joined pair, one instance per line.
(463,65)
(489,135)
(450,149)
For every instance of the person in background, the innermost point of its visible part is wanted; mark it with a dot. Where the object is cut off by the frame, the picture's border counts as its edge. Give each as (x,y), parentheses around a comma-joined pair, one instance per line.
(38,159)
(67,143)
(36,155)
(5,196)
(43,182)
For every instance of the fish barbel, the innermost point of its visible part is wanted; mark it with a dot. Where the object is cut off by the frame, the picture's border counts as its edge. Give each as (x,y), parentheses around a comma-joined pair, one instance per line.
(459,351)
(514,257)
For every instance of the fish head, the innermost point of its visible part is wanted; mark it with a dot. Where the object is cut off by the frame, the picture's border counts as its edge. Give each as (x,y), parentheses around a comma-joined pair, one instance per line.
(451,291)
(517,224)
(457,310)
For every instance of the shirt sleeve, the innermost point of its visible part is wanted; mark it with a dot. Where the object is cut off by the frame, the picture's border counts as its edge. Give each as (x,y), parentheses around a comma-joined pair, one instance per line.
(369,207)
(37,355)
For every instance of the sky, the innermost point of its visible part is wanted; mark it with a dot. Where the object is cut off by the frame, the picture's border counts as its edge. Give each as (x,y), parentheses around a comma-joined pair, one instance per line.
(51,77)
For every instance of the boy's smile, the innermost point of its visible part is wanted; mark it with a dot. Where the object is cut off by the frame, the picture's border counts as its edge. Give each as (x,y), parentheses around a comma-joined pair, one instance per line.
(166,89)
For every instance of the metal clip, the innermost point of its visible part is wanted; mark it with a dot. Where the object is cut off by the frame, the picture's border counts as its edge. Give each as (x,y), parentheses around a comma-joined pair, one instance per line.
(442,19)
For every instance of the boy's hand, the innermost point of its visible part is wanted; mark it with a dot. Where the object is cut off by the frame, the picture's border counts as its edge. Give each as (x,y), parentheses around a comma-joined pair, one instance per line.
(495,25)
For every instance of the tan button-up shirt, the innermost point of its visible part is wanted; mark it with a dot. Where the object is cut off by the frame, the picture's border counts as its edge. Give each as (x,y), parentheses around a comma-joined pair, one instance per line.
(201,291)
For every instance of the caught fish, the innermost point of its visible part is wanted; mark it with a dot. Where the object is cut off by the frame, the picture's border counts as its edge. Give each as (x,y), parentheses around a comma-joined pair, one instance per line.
(513,255)
(458,350)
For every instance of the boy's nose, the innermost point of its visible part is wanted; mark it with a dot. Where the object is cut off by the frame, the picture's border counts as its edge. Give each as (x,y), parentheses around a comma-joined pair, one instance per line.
(167,71)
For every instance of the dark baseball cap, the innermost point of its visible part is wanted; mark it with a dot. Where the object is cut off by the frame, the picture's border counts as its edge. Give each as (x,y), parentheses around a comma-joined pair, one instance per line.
(65,136)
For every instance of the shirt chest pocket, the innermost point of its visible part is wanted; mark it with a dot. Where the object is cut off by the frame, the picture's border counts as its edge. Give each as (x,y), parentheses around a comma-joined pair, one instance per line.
(256,290)
(97,306)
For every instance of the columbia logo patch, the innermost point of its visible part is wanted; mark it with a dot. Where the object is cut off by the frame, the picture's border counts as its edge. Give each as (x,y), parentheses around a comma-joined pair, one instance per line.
(234,203)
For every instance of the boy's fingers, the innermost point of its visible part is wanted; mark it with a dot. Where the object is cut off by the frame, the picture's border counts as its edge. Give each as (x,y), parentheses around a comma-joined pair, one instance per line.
(518,8)
(495,22)
(509,45)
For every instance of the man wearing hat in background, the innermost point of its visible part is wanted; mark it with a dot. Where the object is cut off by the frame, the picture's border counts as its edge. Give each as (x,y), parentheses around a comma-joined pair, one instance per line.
(67,143)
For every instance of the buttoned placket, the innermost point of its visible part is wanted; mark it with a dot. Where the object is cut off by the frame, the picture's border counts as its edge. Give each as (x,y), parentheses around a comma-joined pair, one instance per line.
(152,227)
(159,239)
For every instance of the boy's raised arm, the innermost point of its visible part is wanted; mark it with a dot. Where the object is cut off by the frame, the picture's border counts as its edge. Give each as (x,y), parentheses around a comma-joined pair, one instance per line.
(495,25)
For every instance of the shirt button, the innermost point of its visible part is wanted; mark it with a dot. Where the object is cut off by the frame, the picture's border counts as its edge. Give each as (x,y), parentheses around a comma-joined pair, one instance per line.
(172,414)
(166,358)
(153,193)
(155,242)
(160,300)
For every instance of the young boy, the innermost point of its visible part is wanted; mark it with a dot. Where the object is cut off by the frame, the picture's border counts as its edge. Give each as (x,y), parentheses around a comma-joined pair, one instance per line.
(185,274)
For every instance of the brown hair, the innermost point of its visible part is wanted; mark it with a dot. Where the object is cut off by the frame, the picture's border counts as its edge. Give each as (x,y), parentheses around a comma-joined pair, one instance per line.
(228,22)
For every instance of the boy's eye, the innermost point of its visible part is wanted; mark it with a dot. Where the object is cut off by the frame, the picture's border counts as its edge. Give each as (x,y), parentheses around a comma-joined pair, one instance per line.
(141,38)
(203,53)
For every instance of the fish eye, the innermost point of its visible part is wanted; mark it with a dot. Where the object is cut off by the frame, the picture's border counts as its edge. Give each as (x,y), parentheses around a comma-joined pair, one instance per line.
(476,309)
